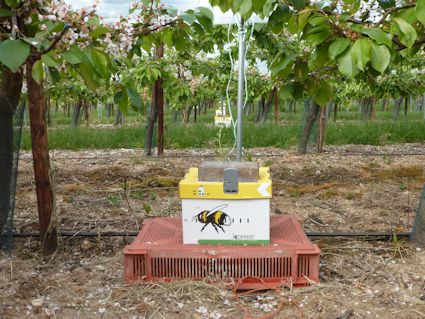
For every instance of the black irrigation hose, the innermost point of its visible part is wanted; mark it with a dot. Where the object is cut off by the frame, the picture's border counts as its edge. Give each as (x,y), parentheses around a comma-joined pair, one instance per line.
(135,233)
(215,155)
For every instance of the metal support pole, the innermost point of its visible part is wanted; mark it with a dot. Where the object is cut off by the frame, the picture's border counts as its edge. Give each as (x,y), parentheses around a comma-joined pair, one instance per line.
(241,86)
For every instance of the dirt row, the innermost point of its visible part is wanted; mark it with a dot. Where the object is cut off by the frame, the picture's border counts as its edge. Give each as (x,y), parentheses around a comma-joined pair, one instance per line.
(349,188)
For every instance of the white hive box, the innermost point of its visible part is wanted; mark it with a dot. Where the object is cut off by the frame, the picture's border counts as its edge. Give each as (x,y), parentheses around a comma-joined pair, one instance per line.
(212,216)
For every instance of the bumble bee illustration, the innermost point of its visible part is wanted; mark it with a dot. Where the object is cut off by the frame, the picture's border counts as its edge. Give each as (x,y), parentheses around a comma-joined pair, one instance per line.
(215,217)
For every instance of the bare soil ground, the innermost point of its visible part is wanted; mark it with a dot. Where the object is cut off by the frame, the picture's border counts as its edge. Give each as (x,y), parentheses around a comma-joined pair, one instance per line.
(349,188)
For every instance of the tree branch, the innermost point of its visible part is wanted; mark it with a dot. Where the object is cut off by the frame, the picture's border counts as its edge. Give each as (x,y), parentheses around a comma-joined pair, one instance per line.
(391,10)
(56,39)
(401,46)
(150,29)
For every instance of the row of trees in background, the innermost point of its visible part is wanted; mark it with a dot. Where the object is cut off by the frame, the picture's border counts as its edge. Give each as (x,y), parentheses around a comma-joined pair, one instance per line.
(319,54)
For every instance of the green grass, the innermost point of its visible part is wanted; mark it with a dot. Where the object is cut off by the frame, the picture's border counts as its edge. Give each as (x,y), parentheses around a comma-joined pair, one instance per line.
(371,133)
(255,135)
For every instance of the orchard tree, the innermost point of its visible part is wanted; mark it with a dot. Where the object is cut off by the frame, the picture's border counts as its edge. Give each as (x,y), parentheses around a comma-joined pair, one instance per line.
(337,38)
(30,34)
(44,34)
(173,32)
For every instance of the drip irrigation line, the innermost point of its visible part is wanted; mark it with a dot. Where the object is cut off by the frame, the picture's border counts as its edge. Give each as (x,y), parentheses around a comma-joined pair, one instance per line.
(217,155)
(113,157)
(375,235)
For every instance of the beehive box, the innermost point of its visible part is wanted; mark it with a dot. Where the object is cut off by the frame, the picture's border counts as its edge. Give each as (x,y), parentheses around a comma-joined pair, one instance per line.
(212,216)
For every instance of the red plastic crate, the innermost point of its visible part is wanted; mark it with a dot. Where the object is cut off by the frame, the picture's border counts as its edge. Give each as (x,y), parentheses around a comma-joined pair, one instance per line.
(158,253)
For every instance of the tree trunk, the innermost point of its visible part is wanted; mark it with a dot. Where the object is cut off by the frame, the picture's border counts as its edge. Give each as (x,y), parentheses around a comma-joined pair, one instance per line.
(86,106)
(406,105)
(6,164)
(119,117)
(76,114)
(321,131)
(174,115)
(42,173)
(385,105)
(248,109)
(153,113)
(194,114)
(335,110)
(160,102)
(372,110)
(260,109)
(311,118)
(364,109)
(186,114)
(267,107)
(276,107)
(10,91)
(49,112)
(397,106)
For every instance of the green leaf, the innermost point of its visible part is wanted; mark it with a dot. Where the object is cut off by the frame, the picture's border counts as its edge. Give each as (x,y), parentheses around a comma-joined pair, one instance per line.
(298,92)
(167,37)
(301,71)
(172,11)
(346,65)
(188,17)
(360,53)
(298,4)
(206,12)
(319,57)
(94,21)
(258,5)
(123,104)
(323,93)
(318,37)
(236,4)
(279,17)
(12,3)
(293,24)
(405,31)
(101,63)
(286,91)
(280,63)
(89,75)
(380,36)
(205,22)
(224,5)
(5,13)
(71,58)
(134,97)
(268,7)
(98,32)
(408,15)
(338,47)
(37,72)
(49,60)
(245,7)
(73,55)
(14,53)
(380,58)
(385,4)
(54,75)
(420,11)
(303,17)
(181,41)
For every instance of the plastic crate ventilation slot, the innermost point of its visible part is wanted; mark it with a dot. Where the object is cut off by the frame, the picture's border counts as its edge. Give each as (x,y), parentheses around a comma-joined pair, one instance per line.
(158,254)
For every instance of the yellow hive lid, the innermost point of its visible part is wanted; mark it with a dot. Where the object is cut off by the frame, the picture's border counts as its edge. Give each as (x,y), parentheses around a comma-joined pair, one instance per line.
(190,187)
